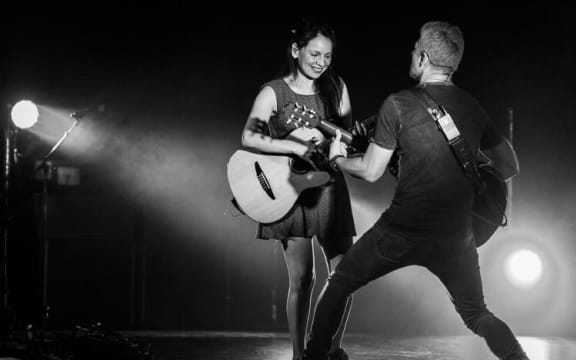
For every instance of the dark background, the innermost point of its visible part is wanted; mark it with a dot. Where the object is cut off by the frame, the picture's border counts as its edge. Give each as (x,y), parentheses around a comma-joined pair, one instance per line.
(147,240)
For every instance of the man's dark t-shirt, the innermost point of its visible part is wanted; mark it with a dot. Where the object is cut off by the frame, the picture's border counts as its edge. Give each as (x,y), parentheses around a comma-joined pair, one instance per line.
(433,197)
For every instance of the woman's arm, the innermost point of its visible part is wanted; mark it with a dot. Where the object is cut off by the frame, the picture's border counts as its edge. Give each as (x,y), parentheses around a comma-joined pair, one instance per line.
(252,137)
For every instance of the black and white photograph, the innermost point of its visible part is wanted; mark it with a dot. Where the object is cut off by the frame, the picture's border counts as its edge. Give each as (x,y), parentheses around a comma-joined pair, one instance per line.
(289,186)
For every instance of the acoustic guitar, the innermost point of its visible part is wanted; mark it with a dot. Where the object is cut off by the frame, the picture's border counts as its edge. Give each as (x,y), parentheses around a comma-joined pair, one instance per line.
(266,186)
(489,211)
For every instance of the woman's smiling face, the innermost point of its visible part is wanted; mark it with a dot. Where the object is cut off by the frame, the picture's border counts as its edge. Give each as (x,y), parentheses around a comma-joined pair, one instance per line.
(315,57)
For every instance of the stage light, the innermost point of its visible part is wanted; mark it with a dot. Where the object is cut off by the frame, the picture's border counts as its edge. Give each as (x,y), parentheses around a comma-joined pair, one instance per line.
(24,114)
(523,268)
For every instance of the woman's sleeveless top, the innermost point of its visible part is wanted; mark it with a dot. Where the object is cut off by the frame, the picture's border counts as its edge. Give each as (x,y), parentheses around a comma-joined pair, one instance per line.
(325,211)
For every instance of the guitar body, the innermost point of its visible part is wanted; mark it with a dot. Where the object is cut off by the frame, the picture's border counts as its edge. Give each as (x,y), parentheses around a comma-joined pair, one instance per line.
(489,206)
(266,187)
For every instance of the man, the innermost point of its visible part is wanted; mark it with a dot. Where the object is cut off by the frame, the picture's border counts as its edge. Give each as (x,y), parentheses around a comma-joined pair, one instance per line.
(429,222)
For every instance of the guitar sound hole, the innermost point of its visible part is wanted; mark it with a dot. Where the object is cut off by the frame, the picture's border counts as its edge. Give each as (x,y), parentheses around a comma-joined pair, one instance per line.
(300,166)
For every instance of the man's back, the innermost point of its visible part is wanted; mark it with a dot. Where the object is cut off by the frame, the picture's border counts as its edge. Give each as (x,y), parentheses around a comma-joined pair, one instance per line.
(433,197)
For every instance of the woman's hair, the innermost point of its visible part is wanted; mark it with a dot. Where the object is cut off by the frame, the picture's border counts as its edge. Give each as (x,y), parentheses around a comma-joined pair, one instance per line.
(329,85)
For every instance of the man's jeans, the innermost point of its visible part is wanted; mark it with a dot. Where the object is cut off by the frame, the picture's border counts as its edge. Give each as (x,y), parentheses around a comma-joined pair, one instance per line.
(383,249)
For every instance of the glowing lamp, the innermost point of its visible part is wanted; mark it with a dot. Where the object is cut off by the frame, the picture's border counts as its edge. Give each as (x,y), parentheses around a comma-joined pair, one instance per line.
(523,268)
(24,114)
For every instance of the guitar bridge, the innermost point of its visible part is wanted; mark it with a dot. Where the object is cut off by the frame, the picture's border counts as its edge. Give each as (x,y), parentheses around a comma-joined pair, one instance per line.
(264,181)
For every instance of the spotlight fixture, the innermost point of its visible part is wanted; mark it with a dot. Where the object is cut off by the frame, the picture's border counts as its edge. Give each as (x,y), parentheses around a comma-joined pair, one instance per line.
(24,114)
(523,268)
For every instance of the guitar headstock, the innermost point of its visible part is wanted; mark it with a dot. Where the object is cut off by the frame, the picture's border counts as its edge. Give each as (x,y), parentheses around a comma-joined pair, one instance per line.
(296,115)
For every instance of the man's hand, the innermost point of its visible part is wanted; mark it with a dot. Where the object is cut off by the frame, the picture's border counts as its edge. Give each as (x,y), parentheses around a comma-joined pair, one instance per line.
(337,147)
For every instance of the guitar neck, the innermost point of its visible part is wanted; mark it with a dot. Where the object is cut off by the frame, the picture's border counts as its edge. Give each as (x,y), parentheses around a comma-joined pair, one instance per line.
(330,129)
(358,142)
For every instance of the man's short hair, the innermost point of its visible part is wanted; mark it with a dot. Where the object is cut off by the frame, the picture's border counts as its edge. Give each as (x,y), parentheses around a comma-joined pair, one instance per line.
(443,42)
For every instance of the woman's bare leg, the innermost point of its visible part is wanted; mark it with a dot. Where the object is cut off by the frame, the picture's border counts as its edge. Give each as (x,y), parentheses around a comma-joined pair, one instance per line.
(299,258)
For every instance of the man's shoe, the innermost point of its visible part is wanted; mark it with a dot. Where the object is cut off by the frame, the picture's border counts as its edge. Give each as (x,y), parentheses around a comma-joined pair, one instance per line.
(309,356)
(337,354)
(518,356)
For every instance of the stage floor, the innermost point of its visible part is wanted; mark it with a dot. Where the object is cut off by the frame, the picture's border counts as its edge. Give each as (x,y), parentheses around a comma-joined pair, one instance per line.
(276,346)
(267,346)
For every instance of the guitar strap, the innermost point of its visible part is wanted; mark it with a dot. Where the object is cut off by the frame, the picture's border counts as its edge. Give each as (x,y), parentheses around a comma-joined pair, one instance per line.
(453,136)
(457,143)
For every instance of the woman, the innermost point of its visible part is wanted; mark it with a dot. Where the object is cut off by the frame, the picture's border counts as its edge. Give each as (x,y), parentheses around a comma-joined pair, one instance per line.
(322,212)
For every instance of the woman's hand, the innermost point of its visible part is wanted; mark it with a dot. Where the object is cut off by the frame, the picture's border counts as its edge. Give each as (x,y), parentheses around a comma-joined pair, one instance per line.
(310,153)
(360,129)
(305,134)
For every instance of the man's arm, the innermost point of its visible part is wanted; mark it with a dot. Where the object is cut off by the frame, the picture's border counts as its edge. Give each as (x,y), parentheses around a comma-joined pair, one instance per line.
(504,159)
(370,166)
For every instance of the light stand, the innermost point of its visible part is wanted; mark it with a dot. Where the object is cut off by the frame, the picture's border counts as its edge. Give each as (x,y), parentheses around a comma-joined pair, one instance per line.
(43,170)
(5,218)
